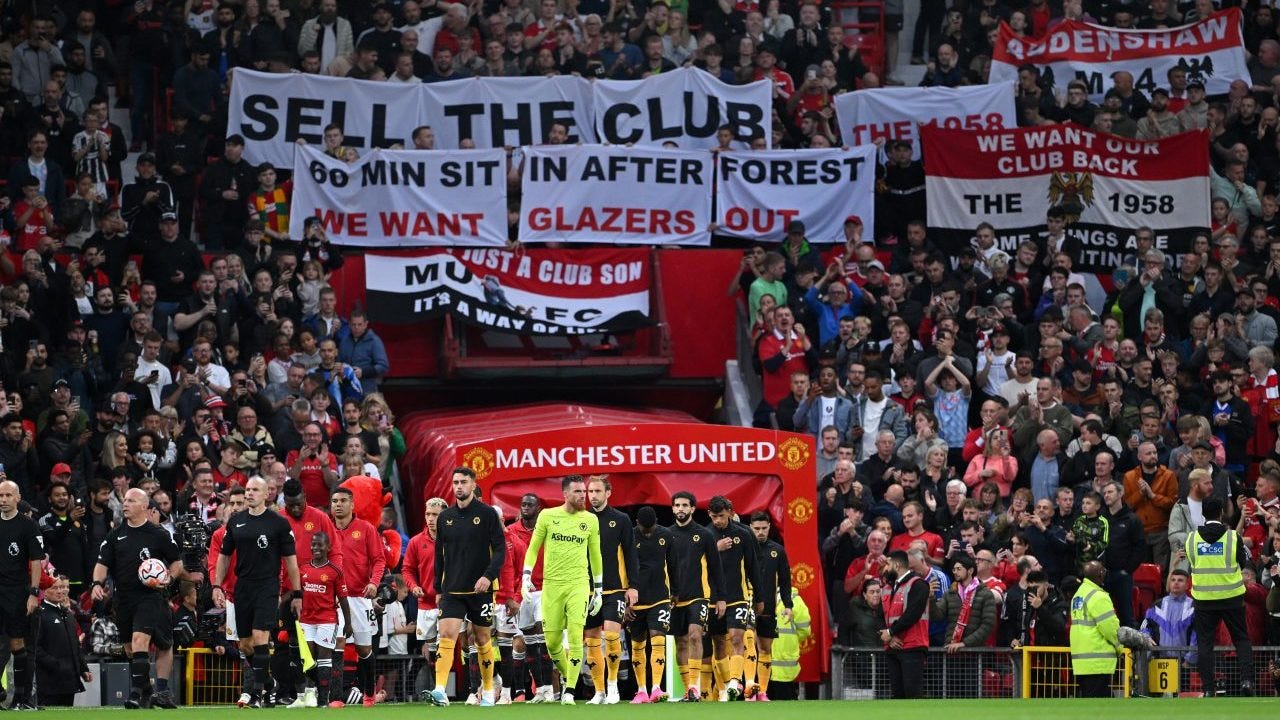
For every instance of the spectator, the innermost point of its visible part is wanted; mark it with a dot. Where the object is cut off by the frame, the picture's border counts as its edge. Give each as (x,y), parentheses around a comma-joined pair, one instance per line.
(60,668)
(824,407)
(225,188)
(1126,547)
(1151,490)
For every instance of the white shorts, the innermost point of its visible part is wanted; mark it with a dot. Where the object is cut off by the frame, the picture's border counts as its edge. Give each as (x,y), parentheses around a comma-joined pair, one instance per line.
(363,620)
(323,634)
(230,617)
(530,610)
(428,630)
(504,623)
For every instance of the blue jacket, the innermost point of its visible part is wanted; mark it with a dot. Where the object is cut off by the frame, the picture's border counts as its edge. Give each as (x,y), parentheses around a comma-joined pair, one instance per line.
(828,317)
(808,417)
(367,353)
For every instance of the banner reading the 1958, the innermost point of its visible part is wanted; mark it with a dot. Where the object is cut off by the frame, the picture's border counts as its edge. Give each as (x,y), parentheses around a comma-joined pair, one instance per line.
(1107,185)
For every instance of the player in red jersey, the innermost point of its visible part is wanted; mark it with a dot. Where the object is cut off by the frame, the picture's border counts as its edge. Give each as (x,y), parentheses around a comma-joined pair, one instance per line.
(323,589)
(305,521)
(419,575)
(363,562)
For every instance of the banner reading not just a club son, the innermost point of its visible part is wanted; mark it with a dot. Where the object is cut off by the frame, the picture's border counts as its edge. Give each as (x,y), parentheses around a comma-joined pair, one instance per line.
(535,292)
(1108,185)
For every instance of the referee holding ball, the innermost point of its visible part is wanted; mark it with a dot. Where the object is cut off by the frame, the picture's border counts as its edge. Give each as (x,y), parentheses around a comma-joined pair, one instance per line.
(142,613)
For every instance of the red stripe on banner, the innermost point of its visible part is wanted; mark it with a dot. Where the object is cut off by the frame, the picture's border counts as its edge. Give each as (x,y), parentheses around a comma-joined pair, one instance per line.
(1083,42)
(579,273)
(1034,151)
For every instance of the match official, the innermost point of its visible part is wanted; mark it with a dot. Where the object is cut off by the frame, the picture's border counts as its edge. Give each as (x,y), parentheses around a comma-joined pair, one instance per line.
(19,586)
(264,541)
(142,613)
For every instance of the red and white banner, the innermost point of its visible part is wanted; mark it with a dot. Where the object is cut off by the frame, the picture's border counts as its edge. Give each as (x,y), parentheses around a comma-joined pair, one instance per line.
(536,292)
(1210,50)
(391,198)
(759,193)
(1107,185)
(613,194)
(894,113)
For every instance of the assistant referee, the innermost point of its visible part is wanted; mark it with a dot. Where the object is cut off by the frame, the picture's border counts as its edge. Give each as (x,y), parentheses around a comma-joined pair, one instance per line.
(19,586)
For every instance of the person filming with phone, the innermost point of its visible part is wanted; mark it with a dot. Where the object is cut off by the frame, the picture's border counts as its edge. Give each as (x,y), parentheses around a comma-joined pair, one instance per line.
(314,466)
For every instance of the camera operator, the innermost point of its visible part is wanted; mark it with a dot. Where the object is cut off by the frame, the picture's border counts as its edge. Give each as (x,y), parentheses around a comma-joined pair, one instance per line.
(142,613)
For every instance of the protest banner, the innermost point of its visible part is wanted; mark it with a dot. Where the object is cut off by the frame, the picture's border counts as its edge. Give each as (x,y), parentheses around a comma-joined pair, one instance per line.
(536,292)
(608,194)
(1210,50)
(392,198)
(759,193)
(1108,186)
(685,106)
(894,113)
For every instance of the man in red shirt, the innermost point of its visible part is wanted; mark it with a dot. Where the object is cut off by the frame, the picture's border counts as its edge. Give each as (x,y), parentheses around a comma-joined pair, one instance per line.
(307,522)
(314,466)
(323,589)
(531,642)
(767,68)
(913,520)
(784,351)
(419,576)
(541,33)
(363,563)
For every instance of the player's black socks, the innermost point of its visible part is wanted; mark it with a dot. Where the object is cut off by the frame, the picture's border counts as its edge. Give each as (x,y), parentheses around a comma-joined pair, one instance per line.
(541,663)
(139,672)
(506,666)
(365,674)
(261,660)
(21,675)
(323,672)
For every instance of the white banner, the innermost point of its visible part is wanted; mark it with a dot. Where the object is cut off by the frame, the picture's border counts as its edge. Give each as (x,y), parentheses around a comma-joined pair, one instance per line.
(895,113)
(508,112)
(759,193)
(392,198)
(1211,51)
(686,106)
(612,194)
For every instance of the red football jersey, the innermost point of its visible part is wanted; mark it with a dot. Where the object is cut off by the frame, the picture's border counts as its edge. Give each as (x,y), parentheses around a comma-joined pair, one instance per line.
(321,588)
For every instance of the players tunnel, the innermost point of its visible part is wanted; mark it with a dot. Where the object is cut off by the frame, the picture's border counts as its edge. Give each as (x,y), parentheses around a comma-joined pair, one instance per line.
(648,454)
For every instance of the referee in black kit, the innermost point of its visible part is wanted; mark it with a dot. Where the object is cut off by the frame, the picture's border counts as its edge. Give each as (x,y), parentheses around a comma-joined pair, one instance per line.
(142,613)
(19,586)
(264,539)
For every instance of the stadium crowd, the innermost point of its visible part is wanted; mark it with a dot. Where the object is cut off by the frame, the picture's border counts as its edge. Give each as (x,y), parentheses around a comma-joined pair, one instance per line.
(169,331)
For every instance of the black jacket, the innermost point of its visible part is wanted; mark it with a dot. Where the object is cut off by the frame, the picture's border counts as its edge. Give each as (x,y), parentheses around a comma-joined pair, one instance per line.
(59,662)
(1128,541)
(1238,430)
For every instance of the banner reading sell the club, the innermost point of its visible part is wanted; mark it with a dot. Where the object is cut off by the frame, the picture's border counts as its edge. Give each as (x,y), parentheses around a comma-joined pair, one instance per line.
(759,193)
(536,292)
(686,106)
(1210,50)
(1108,186)
(613,194)
(392,198)
(894,113)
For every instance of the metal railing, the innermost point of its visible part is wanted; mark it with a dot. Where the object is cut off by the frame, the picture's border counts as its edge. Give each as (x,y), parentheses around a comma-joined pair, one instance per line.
(212,679)
(862,673)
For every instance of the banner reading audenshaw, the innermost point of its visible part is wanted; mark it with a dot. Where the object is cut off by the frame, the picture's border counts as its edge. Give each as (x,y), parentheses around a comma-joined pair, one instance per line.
(894,113)
(685,106)
(392,198)
(759,193)
(1211,51)
(612,194)
(274,111)
(1107,185)
(538,292)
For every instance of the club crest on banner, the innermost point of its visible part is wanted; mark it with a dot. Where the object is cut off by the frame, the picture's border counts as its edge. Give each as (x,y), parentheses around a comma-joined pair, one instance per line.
(480,460)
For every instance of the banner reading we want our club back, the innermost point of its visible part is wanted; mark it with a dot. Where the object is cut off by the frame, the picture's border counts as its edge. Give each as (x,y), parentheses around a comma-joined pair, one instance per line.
(1108,185)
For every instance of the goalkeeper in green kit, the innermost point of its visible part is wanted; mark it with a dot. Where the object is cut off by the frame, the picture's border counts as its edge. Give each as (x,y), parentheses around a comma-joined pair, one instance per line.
(571,536)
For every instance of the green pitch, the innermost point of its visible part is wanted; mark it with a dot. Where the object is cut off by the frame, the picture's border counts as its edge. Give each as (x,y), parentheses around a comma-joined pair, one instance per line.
(1199,708)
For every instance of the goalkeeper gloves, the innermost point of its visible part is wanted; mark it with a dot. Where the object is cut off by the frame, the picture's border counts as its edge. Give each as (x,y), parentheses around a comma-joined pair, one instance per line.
(528,586)
(597,601)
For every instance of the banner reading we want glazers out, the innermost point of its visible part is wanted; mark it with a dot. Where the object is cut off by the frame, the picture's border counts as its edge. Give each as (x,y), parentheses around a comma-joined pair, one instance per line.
(536,292)
(1108,185)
